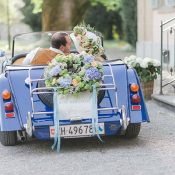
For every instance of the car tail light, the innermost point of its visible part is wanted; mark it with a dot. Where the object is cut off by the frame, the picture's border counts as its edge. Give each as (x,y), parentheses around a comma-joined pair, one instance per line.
(135,98)
(6,95)
(8,107)
(10,115)
(134,87)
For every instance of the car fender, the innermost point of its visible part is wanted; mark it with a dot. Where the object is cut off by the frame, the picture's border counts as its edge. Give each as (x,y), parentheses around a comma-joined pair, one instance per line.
(140,115)
(8,124)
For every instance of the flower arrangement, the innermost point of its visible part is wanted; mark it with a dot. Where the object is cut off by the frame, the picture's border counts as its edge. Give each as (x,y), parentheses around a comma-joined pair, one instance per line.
(146,68)
(73,73)
(87,40)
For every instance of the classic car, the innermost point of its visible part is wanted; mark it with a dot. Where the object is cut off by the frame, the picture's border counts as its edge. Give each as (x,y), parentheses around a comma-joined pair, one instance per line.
(27,111)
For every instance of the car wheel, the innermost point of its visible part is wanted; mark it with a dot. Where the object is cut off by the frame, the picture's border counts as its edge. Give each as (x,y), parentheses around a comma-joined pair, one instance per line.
(132,130)
(8,138)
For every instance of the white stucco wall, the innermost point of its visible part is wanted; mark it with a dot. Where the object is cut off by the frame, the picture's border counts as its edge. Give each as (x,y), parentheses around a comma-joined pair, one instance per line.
(149,45)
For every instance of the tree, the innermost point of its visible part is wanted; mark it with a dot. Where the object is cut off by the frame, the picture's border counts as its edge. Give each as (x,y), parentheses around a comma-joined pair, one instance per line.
(31,18)
(107,22)
(14,13)
(111,5)
(59,14)
(9,15)
(129,13)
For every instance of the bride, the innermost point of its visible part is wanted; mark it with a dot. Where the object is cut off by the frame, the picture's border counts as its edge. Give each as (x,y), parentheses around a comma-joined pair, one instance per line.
(86,41)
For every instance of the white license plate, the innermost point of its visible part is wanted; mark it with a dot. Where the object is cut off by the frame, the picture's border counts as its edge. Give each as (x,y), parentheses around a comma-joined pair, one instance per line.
(80,130)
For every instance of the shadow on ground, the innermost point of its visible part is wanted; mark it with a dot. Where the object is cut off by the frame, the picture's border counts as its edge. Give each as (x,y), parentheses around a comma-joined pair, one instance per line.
(82,144)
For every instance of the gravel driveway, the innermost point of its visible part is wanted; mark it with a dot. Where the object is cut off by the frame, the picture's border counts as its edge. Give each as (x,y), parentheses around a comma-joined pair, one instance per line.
(151,153)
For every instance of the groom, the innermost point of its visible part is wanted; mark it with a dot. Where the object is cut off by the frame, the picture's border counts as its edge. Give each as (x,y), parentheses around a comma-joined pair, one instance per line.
(60,44)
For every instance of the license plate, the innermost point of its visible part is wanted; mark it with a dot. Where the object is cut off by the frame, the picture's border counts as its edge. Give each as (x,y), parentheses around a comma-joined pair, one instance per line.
(80,130)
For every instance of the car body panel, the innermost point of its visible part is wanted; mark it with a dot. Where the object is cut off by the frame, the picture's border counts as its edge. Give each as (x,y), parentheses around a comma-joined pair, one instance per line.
(142,115)
(8,124)
(14,80)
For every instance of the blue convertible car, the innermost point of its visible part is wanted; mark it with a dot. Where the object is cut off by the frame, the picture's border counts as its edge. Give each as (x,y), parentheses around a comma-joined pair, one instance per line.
(26,110)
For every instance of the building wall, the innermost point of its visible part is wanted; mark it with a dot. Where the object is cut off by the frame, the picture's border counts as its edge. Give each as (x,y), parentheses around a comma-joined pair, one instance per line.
(145,23)
(149,21)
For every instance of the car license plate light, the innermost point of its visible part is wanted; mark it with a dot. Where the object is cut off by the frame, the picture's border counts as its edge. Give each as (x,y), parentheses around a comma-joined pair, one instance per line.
(136,107)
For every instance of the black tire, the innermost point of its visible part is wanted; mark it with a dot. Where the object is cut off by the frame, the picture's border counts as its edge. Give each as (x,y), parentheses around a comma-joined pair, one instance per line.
(8,138)
(133,130)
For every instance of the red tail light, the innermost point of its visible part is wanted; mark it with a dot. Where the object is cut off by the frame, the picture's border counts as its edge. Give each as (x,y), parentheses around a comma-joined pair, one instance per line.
(135,98)
(8,106)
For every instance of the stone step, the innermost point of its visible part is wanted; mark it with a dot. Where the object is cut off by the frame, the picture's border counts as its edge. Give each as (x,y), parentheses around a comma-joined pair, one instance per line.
(167,101)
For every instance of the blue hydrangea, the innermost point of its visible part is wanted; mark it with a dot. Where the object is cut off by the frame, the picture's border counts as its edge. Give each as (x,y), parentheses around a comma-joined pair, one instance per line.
(88,59)
(55,71)
(65,82)
(93,73)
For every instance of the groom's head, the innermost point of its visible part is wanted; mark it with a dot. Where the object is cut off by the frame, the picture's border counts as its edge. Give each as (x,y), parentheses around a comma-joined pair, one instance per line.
(62,41)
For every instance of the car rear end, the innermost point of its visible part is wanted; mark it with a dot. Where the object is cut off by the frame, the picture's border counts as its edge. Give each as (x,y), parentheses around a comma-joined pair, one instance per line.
(118,111)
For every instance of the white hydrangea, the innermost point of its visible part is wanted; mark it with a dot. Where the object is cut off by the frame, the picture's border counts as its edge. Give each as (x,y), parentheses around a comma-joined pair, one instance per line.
(139,60)
(133,60)
(156,63)
(129,59)
(141,64)
(125,60)
(144,64)
(132,57)
(148,60)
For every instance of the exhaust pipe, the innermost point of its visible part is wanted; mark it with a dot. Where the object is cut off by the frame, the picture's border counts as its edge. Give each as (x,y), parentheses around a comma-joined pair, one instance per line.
(23,139)
(22,136)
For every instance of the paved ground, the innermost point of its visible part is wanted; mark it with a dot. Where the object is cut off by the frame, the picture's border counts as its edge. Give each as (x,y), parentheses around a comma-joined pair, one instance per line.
(118,53)
(151,153)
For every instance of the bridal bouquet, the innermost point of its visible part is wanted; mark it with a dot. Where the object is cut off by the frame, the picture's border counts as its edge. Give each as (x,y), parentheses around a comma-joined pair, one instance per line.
(86,40)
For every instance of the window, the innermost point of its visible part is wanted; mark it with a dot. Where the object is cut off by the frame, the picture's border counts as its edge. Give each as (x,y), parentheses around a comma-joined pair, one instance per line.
(154,4)
(170,2)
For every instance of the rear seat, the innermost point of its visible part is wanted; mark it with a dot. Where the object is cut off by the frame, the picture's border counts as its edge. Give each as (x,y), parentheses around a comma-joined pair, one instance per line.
(18,59)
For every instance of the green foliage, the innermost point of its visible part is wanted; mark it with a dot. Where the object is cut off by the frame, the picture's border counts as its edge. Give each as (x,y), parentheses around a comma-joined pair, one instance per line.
(129,14)
(105,15)
(107,22)
(34,20)
(14,13)
(37,6)
(79,29)
(109,4)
